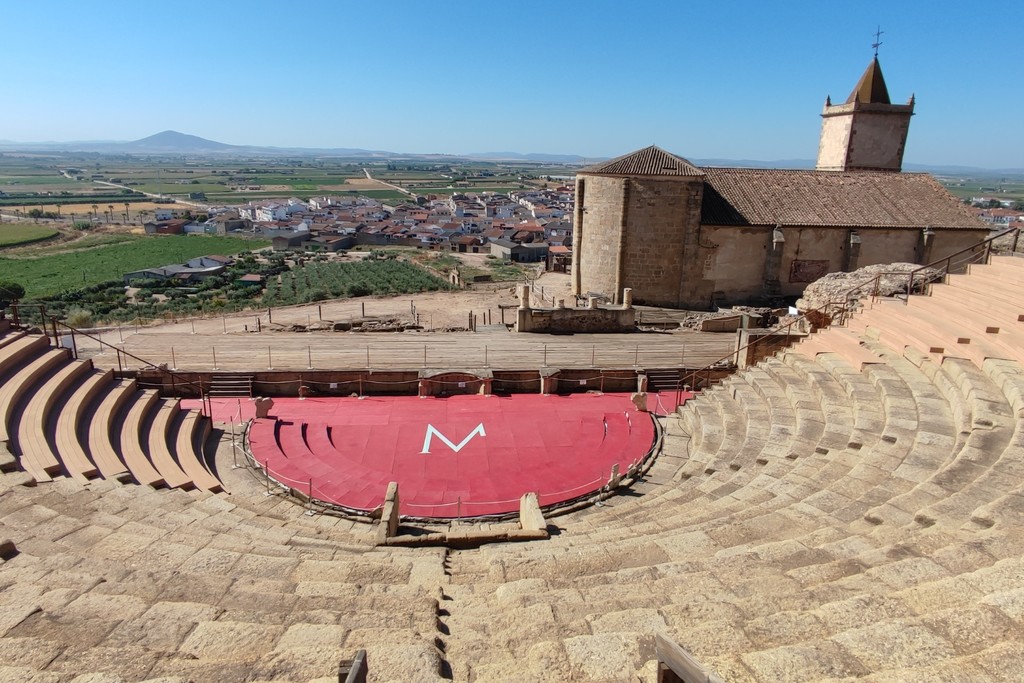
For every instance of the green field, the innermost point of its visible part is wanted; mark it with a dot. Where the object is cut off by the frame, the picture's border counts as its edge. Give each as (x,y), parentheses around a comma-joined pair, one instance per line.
(373,276)
(12,234)
(56,270)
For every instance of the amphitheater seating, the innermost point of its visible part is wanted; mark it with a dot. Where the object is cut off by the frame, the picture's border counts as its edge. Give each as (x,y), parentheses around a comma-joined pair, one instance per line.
(840,512)
(62,417)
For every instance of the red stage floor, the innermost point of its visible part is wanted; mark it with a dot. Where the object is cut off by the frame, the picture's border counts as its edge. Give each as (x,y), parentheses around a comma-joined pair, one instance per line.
(459,456)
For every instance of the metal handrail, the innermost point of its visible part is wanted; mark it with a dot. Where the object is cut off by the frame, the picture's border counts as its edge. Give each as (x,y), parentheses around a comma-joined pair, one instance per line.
(843,307)
(175,376)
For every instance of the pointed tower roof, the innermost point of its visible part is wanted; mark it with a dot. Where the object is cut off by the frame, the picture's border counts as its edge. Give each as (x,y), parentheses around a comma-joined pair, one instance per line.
(870,88)
(648,161)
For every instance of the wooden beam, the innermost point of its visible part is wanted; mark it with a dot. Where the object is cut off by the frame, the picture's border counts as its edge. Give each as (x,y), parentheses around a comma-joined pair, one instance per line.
(676,665)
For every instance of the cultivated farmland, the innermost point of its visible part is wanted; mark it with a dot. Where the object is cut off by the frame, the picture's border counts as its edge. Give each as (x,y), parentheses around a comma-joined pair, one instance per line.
(318,281)
(46,272)
(13,234)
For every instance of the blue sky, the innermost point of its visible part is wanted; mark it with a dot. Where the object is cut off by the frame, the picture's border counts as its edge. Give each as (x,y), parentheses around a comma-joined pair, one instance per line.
(735,80)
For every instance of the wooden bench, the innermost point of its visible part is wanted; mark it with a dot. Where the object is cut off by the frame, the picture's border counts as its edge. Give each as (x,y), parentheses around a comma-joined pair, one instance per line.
(102,448)
(1005,269)
(193,429)
(901,326)
(979,326)
(21,384)
(133,439)
(837,340)
(160,449)
(980,289)
(37,453)
(18,351)
(676,665)
(1003,310)
(9,337)
(73,416)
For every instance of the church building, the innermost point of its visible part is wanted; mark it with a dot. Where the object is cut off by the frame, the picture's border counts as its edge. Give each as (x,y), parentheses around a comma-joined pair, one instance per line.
(695,237)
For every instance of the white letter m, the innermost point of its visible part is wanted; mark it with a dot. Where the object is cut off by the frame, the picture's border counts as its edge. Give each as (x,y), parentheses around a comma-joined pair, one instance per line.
(433,431)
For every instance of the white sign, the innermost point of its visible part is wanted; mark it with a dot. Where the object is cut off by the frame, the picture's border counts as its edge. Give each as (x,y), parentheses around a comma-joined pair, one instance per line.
(432,431)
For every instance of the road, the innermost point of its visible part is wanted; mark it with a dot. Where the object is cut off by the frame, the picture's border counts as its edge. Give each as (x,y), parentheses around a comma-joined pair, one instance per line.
(394,187)
(177,200)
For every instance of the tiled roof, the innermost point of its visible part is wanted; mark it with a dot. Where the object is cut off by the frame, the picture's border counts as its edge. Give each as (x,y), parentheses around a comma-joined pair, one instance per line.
(647,162)
(746,196)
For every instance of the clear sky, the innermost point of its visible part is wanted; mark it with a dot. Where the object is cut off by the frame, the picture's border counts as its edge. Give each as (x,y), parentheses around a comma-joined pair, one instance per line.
(734,80)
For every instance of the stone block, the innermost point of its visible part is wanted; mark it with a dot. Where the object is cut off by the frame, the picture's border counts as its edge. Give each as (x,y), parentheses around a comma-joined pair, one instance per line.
(530,516)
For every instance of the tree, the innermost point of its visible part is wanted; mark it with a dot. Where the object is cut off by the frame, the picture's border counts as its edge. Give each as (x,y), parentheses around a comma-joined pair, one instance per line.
(94,207)
(110,208)
(10,292)
(1018,205)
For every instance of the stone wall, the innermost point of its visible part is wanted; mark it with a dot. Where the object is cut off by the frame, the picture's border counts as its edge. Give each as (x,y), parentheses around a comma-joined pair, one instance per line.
(598,235)
(597,319)
(737,260)
(877,140)
(835,136)
(635,232)
(660,213)
(863,136)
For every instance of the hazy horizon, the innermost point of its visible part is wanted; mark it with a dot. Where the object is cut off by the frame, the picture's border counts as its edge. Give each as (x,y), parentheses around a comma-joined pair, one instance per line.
(740,81)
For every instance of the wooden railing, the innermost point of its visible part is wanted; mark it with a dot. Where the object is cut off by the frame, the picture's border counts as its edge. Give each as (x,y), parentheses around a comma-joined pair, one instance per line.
(838,310)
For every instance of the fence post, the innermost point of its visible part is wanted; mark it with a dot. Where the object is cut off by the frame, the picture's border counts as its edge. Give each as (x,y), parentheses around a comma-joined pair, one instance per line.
(309,356)
(234,447)
(270,360)
(214,350)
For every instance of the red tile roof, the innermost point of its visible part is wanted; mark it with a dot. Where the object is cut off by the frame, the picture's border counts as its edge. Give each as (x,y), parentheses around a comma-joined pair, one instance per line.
(649,161)
(769,197)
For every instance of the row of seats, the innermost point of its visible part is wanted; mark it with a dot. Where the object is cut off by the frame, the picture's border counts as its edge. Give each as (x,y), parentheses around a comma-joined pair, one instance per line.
(62,417)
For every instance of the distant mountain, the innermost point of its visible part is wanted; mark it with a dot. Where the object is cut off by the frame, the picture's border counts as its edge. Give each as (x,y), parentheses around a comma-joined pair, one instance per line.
(173,142)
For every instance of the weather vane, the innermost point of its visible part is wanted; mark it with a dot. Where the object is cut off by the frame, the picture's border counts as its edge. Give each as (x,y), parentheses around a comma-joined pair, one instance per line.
(878,35)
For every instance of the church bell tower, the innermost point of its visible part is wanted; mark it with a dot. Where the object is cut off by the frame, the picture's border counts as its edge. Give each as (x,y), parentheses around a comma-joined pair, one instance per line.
(867,132)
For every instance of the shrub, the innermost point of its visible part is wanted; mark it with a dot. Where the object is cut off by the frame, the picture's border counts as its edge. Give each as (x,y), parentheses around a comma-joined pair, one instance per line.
(78,317)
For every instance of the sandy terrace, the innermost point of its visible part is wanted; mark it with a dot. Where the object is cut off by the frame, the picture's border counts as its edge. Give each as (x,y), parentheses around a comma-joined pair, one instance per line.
(232,342)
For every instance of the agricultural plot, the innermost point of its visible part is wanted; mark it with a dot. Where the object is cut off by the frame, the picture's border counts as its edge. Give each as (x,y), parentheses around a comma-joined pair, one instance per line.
(319,281)
(14,234)
(51,271)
